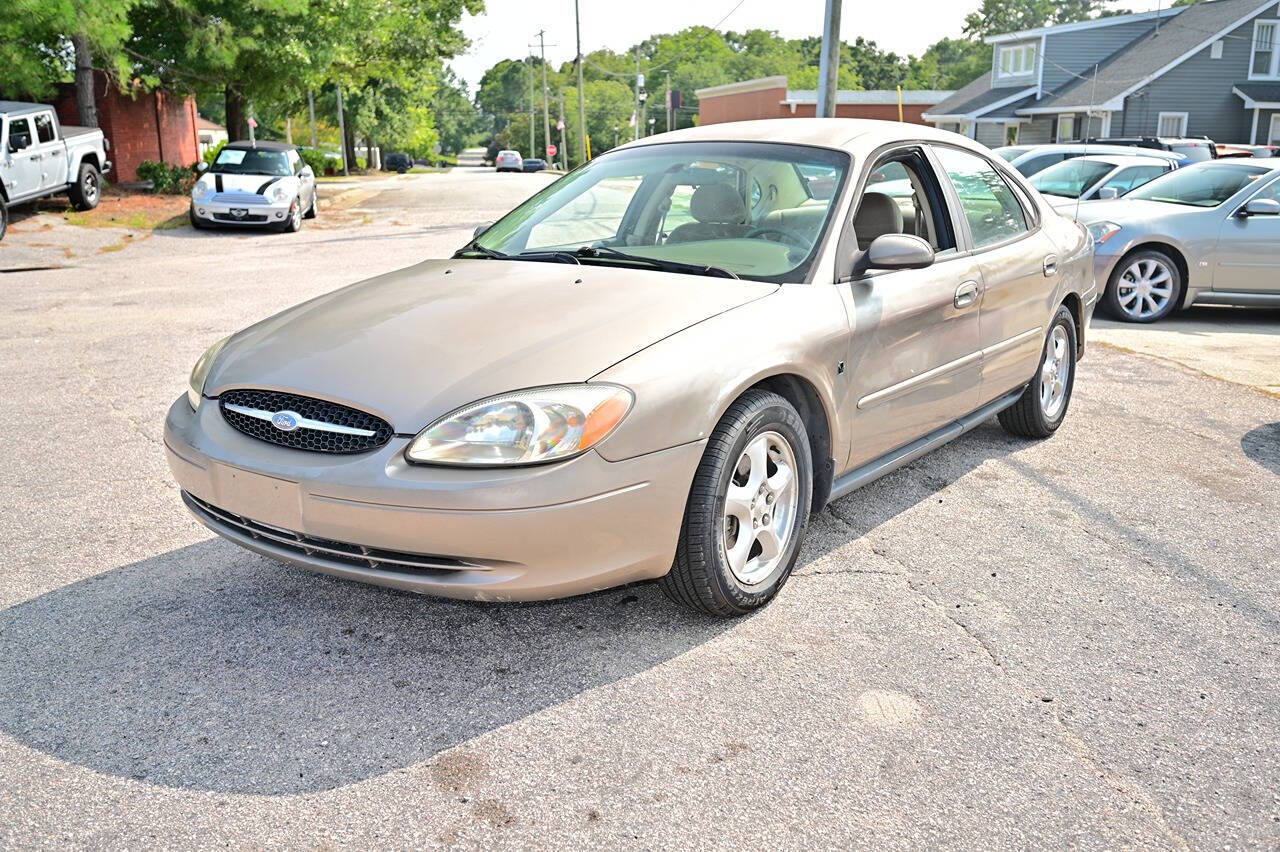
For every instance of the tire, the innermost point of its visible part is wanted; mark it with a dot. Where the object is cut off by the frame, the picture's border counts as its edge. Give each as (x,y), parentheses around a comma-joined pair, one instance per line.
(704,576)
(1150,279)
(196,221)
(293,222)
(1041,409)
(4,218)
(86,192)
(314,209)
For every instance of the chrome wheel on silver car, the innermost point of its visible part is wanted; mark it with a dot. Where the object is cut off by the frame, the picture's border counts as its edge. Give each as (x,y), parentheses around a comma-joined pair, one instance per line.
(760,508)
(1144,287)
(1054,372)
(1043,403)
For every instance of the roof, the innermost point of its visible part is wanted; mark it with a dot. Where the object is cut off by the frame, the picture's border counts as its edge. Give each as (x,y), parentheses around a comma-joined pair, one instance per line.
(914,97)
(822,132)
(20,107)
(1141,61)
(1121,159)
(203,123)
(262,145)
(1264,95)
(1089,24)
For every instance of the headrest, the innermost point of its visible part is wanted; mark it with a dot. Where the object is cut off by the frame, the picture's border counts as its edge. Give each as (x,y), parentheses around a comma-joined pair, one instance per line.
(878,214)
(717,204)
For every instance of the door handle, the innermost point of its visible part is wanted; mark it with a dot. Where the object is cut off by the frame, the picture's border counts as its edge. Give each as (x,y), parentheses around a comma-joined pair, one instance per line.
(966,295)
(1050,266)
(55,153)
(35,157)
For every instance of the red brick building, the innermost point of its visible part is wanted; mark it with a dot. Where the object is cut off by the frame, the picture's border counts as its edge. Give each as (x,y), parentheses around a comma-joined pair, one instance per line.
(140,126)
(769,97)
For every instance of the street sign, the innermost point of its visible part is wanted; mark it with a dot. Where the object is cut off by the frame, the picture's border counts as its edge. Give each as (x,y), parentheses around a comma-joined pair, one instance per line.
(551,150)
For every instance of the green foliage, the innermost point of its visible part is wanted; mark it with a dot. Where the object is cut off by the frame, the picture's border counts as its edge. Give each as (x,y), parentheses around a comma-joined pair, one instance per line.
(1004,16)
(35,49)
(166,179)
(212,153)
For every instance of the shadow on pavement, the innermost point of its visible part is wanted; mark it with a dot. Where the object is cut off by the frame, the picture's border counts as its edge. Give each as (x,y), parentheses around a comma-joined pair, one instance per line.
(1263,446)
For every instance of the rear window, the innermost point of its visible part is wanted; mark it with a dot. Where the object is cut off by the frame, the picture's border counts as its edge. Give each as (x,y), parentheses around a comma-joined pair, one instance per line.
(1194,153)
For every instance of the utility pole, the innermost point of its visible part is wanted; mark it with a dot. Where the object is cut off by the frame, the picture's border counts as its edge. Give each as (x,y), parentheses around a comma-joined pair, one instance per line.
(342,132)
(829,66)
(639,84)
(533,115)
(564,149)
(546,111)
(582,108)
(311,111)
(669,110)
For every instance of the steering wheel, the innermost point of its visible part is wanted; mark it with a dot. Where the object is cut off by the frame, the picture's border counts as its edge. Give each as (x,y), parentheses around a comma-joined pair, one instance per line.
(785,235)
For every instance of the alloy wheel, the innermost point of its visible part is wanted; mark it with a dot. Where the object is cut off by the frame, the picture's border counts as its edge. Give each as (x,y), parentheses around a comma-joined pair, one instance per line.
(90,186)
(1054,373)
(760,508)
(1145,288)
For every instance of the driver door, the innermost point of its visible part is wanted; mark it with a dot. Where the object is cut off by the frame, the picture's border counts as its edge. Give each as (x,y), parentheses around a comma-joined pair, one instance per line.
(23,163)
(1249,249)
(914,360)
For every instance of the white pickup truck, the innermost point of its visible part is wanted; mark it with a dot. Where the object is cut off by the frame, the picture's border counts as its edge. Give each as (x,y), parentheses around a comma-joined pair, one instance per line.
(39,157)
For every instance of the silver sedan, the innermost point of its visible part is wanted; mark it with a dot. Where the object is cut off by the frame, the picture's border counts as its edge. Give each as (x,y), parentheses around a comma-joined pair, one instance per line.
(1205,234)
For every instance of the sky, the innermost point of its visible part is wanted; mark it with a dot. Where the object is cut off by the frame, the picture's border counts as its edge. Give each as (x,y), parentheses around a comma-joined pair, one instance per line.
(507,27)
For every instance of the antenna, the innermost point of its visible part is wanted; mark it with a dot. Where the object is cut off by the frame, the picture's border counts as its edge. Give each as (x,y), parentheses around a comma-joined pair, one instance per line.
(1088,119)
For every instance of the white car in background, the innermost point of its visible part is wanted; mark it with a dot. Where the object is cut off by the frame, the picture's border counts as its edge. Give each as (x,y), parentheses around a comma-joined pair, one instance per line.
(508,161)
(255,184)
(1032,159)
(1097,176)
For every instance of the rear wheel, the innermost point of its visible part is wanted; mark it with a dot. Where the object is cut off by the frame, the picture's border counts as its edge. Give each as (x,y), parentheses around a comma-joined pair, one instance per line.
(1145,286)
(4,219)
(86,192)
(314,209)
(1043,405)
(747,509)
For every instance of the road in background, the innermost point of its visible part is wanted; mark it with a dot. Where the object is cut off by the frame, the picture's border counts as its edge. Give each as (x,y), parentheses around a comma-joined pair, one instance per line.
(1005,644)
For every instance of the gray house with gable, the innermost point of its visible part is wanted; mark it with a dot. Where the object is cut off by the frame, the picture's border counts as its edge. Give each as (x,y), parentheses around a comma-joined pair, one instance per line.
(1210,69)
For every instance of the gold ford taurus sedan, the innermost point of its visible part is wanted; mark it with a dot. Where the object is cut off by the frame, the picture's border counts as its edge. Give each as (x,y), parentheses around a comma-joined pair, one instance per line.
(657,367)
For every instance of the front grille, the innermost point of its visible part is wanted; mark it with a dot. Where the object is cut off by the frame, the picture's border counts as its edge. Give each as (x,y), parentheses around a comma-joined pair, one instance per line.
(341,438)
(323,549)
(227,217)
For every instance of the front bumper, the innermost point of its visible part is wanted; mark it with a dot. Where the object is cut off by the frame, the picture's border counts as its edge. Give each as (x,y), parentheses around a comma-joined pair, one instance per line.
(217,212)
(502,534)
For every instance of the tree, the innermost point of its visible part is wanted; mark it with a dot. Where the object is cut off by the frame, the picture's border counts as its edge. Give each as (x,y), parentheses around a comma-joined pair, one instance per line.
(1005,16)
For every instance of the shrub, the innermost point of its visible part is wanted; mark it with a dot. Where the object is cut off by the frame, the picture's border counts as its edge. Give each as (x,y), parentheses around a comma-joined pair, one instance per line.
(212,154)
(320,162)
(166,179)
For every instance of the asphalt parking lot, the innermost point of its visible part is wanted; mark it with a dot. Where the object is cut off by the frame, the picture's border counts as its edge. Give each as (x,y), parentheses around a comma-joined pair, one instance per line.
(1005,644)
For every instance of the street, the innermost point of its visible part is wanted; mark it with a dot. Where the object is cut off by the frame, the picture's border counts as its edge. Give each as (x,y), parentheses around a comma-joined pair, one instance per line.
(1005,644)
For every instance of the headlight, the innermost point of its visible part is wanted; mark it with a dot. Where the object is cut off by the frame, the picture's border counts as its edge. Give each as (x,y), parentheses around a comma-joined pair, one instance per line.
(1103,231)
(525,427)
(280,194)
(195,385)
(202,191)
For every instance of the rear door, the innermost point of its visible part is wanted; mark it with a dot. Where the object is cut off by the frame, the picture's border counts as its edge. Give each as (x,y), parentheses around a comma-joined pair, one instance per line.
(1249,249)
(49,147)
(22,159)
(1019,268)
(914,364)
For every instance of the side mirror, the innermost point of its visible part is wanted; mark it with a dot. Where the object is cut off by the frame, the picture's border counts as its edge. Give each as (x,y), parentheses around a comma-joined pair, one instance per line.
(898,251)
(1259,207)
(19,142)
(1108,192)
(480,229)
(202,167)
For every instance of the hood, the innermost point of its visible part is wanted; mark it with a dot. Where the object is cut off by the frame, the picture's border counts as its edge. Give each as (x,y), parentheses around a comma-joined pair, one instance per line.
(252,184)
(1121,210)
(415,344)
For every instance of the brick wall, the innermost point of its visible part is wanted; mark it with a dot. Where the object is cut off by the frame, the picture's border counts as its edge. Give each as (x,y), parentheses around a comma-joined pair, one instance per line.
(141,126)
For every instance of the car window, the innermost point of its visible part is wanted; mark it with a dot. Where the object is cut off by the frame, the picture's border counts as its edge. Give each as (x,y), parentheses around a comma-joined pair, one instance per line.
(44,127)
(1037,164)
(908,182)
(252,161)
(1132,177)
(295,162)
(990,206)
(1070,178)
(1271,192)
(19,132)
(1193,153)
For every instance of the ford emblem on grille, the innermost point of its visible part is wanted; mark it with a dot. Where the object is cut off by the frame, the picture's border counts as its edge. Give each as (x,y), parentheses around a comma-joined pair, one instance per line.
(285,421)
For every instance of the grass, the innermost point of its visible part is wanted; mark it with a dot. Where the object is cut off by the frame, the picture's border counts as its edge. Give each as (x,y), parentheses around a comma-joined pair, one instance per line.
(132,212)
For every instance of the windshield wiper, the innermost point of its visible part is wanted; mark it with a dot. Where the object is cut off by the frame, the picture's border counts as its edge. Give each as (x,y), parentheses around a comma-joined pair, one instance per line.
(596,252)
(474,248)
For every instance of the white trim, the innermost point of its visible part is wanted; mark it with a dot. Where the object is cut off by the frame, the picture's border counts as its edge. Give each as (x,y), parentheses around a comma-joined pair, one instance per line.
(1040,70)
(1105,130)
(1273,133)
(1273,73)
(1182,116)
(1083,25)
(1253,131)
(1113,105)
(971,116)
(1057,130)
(1215,49)
(743,87)
(1250,103)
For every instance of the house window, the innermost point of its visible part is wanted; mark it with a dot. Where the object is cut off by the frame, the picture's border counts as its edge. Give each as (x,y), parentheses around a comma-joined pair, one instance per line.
(1172,124)
(1017,61)
(1273,138)
(1011,134)
(1066,128)
(1263,61)
(1215,51)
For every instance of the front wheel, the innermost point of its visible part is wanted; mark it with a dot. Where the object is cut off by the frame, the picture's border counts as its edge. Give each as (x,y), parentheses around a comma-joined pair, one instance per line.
(747,509)
(293,222)
(4,219)
(1043,405)
(86,192)
(1144,287)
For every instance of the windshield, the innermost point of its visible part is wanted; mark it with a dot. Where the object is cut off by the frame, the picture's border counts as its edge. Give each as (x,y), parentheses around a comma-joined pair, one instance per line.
(1070,178)
(754,209)
(1205,185)
(1009,153)
(239,161)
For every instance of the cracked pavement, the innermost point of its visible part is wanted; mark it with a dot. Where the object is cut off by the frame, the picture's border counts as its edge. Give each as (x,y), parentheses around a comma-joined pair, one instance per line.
(1005,644)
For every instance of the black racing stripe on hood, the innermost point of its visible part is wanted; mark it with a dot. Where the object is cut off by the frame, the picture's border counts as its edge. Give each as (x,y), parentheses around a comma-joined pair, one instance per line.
(217,181)
(262,189)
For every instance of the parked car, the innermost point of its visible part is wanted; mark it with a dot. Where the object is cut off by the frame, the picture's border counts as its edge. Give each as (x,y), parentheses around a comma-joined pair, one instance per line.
(1195,150)
(257,184)
(714,365)
(41,157)
(1206,234)
(534,164)
(509,161)
(1030,160)
(1260,152)
(1097,176)
(397,161)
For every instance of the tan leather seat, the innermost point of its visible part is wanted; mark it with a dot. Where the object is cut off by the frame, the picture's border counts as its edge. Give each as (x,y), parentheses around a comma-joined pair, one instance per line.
(878,214)
(719,213)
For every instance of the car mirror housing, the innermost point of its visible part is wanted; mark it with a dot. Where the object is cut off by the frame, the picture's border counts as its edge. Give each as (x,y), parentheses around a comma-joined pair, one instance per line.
(202,167)
(480,229)
(1108,193)
(1259,207)
(898,251)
